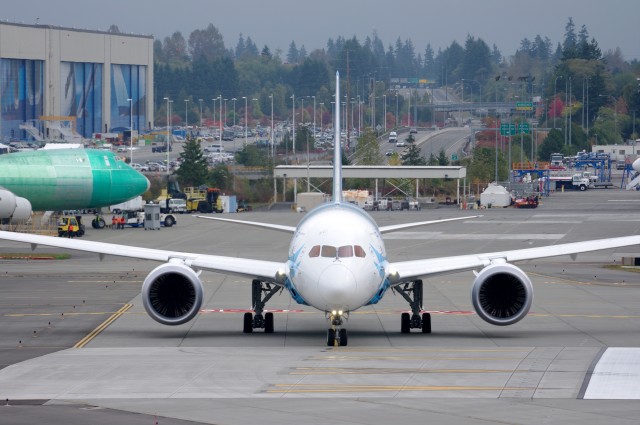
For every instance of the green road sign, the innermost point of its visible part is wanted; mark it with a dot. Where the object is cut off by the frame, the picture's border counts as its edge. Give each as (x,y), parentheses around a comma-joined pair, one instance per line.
(524,106)
(454,156)
(507,129)
(523,128)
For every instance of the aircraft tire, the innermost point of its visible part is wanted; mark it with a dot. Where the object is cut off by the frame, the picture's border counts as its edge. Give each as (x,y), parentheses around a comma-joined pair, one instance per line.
(426,323)
(268,323)
(343,337)
(168,221)
(405,323)
(248,323)
(331,337)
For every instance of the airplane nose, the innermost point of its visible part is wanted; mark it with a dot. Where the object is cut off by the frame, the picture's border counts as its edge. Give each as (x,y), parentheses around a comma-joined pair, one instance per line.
(338,285)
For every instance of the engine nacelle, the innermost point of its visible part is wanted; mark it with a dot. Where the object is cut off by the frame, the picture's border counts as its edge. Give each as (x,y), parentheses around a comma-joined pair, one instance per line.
(502,294)
(172,294)
(14,207)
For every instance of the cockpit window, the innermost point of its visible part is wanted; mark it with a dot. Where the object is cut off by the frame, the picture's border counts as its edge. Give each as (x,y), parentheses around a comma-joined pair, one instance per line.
(315,251)
(328,251)
(345,251)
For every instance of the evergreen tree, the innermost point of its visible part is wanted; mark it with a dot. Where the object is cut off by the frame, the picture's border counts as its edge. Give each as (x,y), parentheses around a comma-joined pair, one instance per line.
(292,54)
(413,157)
(193,170)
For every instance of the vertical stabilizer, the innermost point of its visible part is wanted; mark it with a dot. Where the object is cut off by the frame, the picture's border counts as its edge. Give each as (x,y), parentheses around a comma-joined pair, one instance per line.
(337,158)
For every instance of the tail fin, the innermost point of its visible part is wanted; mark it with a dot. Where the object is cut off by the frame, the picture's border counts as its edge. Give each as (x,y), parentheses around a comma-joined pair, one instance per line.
(337,157)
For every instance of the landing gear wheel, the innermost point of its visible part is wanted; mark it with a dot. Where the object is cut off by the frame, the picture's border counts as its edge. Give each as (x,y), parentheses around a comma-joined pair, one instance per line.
(426,323)
(331,337)
(343,337)
(268,323)
(405,323)
(248,323)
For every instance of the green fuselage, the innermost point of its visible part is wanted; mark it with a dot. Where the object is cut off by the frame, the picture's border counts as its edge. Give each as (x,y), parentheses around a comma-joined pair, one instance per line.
(66,179)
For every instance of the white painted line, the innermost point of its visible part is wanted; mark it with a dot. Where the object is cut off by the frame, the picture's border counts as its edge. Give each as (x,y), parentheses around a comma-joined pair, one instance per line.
(472,236)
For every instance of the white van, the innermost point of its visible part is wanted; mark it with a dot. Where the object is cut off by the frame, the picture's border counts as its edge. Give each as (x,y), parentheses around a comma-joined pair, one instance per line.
(393,137)
(214,148)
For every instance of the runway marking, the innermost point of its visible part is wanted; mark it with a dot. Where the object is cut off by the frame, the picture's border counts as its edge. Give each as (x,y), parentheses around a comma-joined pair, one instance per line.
(378,358)
(384,371)
(344,388)
(472,236)
(104,325)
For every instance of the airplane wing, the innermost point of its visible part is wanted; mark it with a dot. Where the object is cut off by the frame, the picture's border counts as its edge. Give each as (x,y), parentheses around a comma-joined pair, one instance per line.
(409,270)
(394,227)
(260,269)
(278,227)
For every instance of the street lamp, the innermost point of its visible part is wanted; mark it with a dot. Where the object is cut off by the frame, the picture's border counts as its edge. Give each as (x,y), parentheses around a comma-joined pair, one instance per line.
(293,124)
(130,131)
(213,113)
(234,110)
(186,115)
(245,120)
(321,118)
(384,96)
(168,144)
(271,134)
(200,100)
(314,116)
(554,99)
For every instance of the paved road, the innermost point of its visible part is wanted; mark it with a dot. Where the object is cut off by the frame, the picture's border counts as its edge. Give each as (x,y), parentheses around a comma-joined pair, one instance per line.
(207,371)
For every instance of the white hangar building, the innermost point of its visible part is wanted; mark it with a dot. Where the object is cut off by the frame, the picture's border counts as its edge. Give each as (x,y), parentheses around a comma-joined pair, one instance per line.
(97,80)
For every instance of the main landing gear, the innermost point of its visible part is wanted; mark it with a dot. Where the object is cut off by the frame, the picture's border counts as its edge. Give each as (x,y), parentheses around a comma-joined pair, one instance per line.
(261,292)
(336,335)
(412,292)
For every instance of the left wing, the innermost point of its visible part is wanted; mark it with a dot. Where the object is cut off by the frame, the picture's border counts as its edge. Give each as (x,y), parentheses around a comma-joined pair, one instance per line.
(265,270)
(408,270)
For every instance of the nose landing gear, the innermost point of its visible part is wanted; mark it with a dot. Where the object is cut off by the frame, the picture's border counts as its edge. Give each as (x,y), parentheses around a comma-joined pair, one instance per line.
(336,335)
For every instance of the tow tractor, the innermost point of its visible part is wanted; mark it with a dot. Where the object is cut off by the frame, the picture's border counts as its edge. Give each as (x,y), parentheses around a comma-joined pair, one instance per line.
(70,226)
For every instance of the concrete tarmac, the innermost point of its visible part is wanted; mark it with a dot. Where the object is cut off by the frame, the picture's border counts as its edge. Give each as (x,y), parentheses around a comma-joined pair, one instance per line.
(208,371)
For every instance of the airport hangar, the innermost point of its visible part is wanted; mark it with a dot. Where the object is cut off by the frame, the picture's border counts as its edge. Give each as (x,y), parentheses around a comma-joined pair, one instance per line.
(82,76)
(308,172)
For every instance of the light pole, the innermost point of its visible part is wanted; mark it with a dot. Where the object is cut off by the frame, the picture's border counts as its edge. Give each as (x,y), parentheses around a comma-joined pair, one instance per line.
(186,114)
(384,98)
(554,99)
(213,113)
(396,126)
(314,116)
(220,120)
(293,124)
(234,110)
(271,134)
(321,118)
(168,146)
(200,101)
(225,113)
(245,120)
(130,131)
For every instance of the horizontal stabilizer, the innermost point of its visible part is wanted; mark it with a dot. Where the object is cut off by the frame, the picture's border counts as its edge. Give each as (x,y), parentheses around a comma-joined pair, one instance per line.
(395,227)
(278,227)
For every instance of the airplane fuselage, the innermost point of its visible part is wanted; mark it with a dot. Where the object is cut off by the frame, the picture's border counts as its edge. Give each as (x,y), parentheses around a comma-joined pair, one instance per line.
(64,179)
(337,258)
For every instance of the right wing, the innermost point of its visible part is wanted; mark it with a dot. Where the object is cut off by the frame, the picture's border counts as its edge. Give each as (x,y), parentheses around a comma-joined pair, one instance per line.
(259,269)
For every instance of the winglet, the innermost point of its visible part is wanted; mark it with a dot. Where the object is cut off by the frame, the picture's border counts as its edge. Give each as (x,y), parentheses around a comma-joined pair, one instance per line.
(337,157)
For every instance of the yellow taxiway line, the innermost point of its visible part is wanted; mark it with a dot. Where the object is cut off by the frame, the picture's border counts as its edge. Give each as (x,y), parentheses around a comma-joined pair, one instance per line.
(84,341)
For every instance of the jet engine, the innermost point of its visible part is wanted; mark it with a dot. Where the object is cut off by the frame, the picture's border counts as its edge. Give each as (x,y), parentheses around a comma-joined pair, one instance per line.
(12,206)
(172,294)
(502,294)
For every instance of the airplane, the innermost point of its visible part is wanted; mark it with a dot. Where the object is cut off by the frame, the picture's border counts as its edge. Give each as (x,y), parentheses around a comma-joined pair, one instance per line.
(336,263)
(64,179)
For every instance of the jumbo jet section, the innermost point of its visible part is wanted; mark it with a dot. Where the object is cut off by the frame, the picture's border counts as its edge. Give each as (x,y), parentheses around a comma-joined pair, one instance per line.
(336,263)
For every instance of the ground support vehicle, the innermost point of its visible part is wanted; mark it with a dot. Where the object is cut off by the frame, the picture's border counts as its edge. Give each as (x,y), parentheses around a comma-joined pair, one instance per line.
(203,199)
(70,226)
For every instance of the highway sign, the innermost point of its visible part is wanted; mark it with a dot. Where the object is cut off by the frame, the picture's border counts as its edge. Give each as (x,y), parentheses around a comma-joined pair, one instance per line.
(523,128)
(507,129)
(454,157)
(524,106)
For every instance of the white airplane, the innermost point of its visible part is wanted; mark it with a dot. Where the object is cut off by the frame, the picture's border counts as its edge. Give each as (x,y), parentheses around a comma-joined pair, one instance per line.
(337,263)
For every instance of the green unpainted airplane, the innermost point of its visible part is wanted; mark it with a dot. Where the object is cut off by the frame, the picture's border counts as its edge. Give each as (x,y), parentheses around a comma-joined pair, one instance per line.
(65,179)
